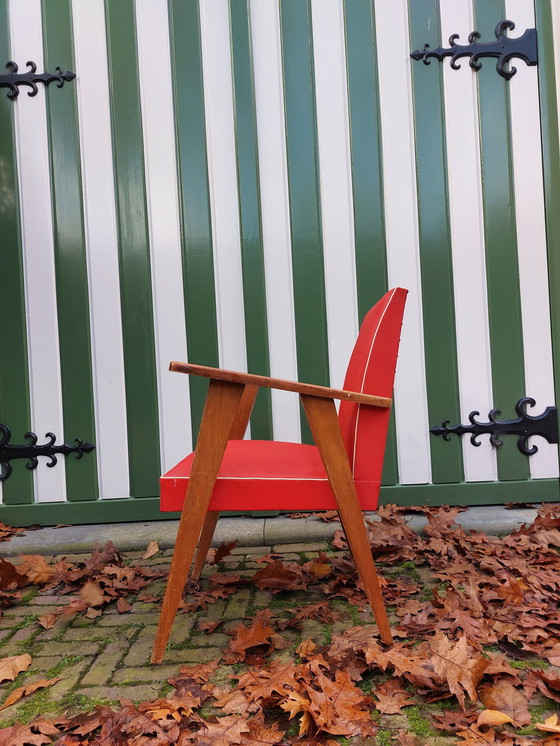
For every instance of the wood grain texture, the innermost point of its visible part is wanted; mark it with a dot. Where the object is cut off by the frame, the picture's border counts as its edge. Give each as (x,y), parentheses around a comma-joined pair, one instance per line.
(219,413)
(278,383)
(323,420)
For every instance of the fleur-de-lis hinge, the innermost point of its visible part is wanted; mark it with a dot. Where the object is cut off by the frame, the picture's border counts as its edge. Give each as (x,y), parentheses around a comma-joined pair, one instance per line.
(504,48)
(31,450)
(14,79)
(545,425)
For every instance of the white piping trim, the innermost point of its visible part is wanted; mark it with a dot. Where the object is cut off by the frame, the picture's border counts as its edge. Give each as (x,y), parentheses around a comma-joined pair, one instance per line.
(365,373)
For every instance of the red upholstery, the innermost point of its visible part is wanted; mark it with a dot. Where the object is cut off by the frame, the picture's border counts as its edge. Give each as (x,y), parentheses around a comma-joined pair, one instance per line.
(266,475)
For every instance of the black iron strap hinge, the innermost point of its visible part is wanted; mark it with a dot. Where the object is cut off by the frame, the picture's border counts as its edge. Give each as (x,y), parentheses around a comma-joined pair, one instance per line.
(545,425)
(504,48)
(31,451)
(30,78)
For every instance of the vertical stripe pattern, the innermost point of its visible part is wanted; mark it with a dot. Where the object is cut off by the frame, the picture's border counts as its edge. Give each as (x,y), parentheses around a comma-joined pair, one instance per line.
(236,183)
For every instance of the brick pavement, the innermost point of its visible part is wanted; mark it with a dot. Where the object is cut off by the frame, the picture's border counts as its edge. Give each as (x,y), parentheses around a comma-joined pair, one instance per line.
(105,660)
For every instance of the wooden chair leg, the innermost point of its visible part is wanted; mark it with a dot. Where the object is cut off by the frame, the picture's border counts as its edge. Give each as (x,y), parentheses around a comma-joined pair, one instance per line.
(204,542)
(323,421)
(219,413)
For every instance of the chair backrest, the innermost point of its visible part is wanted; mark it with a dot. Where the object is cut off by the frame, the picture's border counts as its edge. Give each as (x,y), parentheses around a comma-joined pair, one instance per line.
(371,371)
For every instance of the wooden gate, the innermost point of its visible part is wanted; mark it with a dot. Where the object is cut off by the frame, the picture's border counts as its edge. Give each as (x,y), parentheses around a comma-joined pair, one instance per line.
(235,182)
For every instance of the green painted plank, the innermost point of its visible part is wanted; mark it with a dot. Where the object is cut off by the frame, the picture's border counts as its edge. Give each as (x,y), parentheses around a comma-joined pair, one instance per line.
(198,261)
(502,272)
(134,257)
(117,511)
(305,210)
(367,176)
(254,291)
(438,305)
(70,255)
(473,493)
(548,89)
(14,372)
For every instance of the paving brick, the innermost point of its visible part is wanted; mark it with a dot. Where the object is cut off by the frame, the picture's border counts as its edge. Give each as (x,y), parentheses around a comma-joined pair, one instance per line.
(139,693)
(20,636)
(200,655)
(132,675)
(23,611)
(89,633)
(116,620)
(181,629)
(262,598)
(215,612)
(44,662)
(68,648)
(69,677)
(141,650)
(49,634)
(251,550)
(105,664)
(53,600)
(210,641)
(295,548)
(237,606)
(314,630)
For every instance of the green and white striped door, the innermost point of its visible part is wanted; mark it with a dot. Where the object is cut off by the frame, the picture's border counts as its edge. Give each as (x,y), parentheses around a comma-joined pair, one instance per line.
(235,182)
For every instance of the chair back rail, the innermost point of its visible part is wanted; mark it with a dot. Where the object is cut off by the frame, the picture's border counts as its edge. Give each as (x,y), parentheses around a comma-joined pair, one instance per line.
(372,369)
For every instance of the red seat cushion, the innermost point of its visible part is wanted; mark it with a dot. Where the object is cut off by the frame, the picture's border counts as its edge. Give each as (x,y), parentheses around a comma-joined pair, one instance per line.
(265,475)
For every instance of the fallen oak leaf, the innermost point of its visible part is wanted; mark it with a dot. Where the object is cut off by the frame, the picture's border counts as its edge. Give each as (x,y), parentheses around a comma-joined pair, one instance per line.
(151,550)
(458,664)
(258,633)
(10,578)
(222,551)
(24,691)
(13,665)
(36,568)
(392,697)
(503,696)
(227,731)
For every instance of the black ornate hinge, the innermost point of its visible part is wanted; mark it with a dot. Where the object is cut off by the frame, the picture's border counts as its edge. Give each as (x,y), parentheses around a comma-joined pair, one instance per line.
(30,78)
(545,425)
(504,48)
(32,451)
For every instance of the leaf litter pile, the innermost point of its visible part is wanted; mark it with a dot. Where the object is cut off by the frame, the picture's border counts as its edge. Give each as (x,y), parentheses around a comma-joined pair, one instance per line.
(477,652)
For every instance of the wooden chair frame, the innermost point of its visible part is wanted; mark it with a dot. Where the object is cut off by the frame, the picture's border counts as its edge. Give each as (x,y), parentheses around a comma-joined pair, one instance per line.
(228,406)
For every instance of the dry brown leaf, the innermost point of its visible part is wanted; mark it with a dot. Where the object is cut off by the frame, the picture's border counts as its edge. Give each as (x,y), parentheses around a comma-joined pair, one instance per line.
(503,696)
(36,568)
(123,606)
(550,725)
(493,717)
(23,691)
(392,697)
(47,621)
(152,549)
(13,665)
(92,594)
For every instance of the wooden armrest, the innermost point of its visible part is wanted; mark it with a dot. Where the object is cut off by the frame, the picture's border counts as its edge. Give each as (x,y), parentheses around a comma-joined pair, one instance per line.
(277,383)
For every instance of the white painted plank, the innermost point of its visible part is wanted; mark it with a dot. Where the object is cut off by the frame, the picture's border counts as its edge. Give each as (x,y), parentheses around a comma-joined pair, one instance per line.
(467,238)
(335,181)
(154,70)
(92,85)
(265,27)
(531,238)
(401,220)
(38,249)
(222,173)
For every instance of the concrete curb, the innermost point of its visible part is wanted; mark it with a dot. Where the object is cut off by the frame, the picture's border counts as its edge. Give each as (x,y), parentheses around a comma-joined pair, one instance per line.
(492,519)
